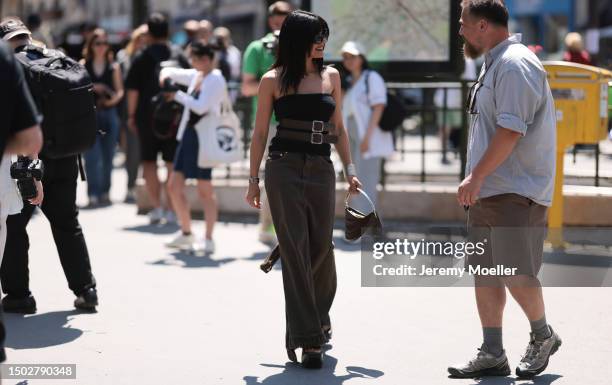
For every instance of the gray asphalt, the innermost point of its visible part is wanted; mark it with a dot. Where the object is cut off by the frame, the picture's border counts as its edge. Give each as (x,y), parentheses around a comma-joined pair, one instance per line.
(173,318)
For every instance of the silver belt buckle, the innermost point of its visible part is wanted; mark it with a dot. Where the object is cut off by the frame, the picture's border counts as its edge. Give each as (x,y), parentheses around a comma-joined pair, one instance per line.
(316,135)
(317,126)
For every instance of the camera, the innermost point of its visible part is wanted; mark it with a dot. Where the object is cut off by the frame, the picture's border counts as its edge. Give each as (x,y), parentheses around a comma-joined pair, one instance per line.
(25,170)
(169,86)
(272,44)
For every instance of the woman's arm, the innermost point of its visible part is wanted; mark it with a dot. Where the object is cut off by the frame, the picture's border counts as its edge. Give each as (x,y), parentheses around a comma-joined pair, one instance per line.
(211,95)
(265,103)
(377,112)
(181,76)
(118,86)
(342,146)
(378,99)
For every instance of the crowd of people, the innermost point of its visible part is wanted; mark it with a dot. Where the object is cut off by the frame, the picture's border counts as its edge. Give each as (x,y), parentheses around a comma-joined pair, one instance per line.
(300,110)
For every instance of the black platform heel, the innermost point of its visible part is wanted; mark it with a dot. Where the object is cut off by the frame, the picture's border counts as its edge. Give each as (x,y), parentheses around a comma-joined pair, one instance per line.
(312,360)
(291,355)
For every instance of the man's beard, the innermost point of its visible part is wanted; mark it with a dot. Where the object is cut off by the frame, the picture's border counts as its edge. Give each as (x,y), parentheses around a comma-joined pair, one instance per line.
(470,51)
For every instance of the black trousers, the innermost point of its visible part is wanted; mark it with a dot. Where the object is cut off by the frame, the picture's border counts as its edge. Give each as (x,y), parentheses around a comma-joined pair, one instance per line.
(301,192)
(59,206)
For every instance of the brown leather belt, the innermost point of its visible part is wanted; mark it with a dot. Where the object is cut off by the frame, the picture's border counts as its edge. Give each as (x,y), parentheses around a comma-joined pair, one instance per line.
(315,132)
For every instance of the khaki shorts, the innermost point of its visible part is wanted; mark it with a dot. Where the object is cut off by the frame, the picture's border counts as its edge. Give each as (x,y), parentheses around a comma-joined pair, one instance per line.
(513,229)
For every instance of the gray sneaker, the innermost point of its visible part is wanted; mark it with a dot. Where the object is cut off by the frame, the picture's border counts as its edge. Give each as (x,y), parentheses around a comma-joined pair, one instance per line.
(485,364)
(536,357)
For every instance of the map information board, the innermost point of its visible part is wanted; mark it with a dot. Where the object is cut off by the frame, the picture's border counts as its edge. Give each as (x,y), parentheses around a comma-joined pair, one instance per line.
(390,30)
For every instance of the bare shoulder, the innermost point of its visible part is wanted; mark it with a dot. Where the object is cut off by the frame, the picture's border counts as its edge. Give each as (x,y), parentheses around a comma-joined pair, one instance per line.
(271,74)
(269,82)
(332,72)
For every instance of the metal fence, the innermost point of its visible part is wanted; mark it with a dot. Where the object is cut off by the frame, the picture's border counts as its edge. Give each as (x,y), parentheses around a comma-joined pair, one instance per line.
(429,108)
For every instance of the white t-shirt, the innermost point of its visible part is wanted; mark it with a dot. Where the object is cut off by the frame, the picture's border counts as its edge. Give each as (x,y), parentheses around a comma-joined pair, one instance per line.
(213,92)
(358,103)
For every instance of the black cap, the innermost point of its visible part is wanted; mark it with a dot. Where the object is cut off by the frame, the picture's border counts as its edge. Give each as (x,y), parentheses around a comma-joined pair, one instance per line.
(11,27)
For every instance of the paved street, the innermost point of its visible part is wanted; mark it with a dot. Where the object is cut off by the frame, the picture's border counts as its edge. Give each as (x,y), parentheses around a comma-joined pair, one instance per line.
(172,318)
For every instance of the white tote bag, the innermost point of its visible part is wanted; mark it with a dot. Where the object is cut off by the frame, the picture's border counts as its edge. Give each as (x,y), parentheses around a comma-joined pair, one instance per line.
(219,137)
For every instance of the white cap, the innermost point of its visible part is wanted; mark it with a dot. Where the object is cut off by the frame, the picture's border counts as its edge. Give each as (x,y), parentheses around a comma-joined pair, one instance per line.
(353,48)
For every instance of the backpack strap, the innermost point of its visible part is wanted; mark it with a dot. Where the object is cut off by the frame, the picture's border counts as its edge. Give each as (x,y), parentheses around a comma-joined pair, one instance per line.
(367,84)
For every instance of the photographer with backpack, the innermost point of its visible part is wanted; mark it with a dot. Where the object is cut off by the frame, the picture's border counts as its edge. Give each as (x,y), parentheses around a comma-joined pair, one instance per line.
(69,128)
(108,91)
(19,135)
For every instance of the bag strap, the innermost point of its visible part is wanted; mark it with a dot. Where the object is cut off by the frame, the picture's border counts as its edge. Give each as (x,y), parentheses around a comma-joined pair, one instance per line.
(367,84)
(348,195)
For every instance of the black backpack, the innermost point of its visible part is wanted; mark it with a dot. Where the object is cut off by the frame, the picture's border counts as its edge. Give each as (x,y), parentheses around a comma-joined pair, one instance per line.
(395,111)
(63,92)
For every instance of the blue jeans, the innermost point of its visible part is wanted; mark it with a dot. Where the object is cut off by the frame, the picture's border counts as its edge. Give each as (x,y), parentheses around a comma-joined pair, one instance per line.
(99,158)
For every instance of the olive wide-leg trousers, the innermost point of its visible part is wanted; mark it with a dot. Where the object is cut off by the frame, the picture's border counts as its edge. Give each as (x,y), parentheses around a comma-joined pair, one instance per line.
(301,192)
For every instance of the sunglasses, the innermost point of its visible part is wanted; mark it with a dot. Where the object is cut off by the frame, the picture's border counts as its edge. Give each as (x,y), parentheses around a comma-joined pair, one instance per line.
(320,38)
(471,100)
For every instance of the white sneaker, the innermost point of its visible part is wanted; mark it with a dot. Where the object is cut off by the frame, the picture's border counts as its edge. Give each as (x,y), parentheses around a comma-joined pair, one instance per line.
(170,217)
(156,215)
(181,241)
(206,246)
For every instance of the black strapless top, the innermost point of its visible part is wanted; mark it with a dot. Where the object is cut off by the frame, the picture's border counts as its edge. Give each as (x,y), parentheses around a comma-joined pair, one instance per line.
(303,107)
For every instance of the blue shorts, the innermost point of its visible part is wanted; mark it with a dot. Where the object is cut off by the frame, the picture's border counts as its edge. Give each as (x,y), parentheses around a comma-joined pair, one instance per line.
(186,158)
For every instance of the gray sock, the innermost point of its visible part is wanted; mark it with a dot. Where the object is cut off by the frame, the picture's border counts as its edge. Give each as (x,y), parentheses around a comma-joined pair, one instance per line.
(540,329)
(492,340)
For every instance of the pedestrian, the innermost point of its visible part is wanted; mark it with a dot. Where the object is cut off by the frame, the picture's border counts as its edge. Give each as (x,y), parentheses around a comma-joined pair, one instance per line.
(142,85)
(362,108)
(107,80)
(190,28)
(138,41)
(205,31)
(206,91)
(21,135)
(509,185)
(258,59)
(228,58)
(575,51)
(300,178)
(59,206)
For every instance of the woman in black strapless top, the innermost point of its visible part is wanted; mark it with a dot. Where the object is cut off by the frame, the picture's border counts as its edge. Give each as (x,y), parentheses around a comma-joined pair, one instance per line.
(300,178)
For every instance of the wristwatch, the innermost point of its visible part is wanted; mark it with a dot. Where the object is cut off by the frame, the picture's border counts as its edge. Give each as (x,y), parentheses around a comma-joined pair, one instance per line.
(254,180)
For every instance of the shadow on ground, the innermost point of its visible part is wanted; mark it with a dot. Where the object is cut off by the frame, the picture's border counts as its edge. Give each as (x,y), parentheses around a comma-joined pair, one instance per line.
(294,374)
(191,261)
(40,330)
(544,379)
(154,229)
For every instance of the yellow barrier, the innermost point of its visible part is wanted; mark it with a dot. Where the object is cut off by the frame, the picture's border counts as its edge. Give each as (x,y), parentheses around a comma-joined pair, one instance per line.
(581,102)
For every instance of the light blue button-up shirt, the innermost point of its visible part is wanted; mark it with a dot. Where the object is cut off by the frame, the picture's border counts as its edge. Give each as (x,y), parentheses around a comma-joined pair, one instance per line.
(513,93)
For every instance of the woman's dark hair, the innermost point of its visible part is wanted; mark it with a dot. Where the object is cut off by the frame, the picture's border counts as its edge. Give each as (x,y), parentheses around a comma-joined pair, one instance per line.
(88,50)
(365,65)
(295,42)
(200,48)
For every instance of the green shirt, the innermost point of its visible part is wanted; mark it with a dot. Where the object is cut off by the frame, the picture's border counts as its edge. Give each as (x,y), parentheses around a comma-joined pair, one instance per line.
(256,61)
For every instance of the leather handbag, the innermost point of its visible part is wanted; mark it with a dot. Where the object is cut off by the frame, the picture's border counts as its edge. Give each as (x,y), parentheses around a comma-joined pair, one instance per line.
(357,223)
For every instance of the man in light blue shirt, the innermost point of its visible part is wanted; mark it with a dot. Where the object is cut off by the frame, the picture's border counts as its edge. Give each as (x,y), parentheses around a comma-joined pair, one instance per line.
(511,170)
